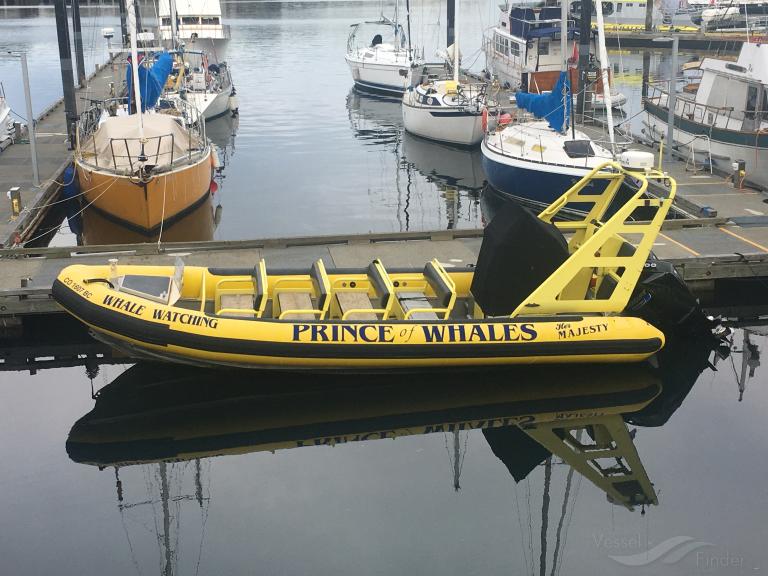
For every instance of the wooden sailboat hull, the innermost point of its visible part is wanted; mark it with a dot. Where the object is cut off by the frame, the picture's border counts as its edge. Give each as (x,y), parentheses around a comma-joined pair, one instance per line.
(146,206)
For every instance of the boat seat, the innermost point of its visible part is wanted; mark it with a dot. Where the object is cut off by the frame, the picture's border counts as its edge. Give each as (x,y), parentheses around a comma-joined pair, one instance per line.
(362,296)
(233,296)
(355,306)
(296,303)
(416,305)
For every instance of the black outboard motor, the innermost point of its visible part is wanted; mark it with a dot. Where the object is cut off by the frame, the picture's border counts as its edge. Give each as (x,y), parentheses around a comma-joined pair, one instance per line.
(662,298)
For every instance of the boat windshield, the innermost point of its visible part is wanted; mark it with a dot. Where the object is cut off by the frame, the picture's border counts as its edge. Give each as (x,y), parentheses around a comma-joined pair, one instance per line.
(381,33)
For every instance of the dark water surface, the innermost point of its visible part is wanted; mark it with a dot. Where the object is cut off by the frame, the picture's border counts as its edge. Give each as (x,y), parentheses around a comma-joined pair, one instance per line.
(230,473)
(178,471)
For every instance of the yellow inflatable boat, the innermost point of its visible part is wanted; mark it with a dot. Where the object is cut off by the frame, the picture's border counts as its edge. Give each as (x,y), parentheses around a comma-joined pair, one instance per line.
(378,318)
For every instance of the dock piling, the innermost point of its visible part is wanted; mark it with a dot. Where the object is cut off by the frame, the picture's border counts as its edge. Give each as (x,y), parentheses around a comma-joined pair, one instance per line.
(65,60)
(76,30)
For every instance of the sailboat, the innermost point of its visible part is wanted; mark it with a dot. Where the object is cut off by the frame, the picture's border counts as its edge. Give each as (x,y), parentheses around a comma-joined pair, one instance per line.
(141,167)
(446,110)
(199,76)
(379,55)
(538,160)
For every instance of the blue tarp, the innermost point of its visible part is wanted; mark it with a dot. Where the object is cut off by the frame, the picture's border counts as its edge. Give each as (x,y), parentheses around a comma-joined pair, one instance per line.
(151,80)
(549,106)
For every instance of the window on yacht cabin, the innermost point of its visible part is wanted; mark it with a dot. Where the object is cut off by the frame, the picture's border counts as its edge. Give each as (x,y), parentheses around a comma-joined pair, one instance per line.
(543,48)
(751,107)
(166,21)
(501,45)
(752,115)
(764,104)
(514,49)
(619,6)
(210,20)
(190,20)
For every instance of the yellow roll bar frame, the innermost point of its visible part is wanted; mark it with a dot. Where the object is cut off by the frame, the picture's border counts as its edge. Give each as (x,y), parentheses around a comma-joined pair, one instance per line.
(595,246)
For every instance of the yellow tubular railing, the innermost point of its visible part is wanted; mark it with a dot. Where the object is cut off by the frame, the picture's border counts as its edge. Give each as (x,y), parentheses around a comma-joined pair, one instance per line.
(594,247)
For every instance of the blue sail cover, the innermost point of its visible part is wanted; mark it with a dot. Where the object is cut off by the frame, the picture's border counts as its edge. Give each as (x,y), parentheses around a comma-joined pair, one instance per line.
(151,80)
(549,106)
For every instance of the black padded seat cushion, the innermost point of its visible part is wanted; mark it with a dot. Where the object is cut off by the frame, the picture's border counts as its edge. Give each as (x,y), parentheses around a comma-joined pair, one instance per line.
(379,284)
(439,285)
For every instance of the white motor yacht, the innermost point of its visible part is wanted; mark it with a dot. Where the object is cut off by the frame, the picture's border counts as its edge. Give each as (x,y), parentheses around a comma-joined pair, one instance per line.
(723,120)
(198,25)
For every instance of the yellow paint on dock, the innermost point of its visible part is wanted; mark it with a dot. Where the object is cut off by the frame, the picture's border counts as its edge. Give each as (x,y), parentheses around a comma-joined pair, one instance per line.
(743,239)
(680,244)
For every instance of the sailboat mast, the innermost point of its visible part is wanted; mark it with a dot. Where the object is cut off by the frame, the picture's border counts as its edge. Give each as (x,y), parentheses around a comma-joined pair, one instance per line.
(457,26)
(408,21)
(174,23)
(135,64)
(563,51)
(604,75)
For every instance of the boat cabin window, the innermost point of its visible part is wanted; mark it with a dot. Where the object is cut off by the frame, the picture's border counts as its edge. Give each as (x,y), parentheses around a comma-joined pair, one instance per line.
(190,20)
(578,148)
(751,108)
(502,45)
(753,114)
(210,20)
(543,47)
(157,288)
(166,21)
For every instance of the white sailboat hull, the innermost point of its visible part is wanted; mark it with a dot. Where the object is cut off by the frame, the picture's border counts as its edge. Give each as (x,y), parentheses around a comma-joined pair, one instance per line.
(379,75)
(210,104)
(455,125)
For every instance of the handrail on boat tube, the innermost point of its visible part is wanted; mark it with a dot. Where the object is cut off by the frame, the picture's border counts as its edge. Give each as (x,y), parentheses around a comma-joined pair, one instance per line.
(603,268)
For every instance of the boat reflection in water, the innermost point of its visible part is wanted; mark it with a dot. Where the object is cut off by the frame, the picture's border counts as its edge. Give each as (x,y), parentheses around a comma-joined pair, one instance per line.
(168,421)
(198,225)
(457,173)
(376,119)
